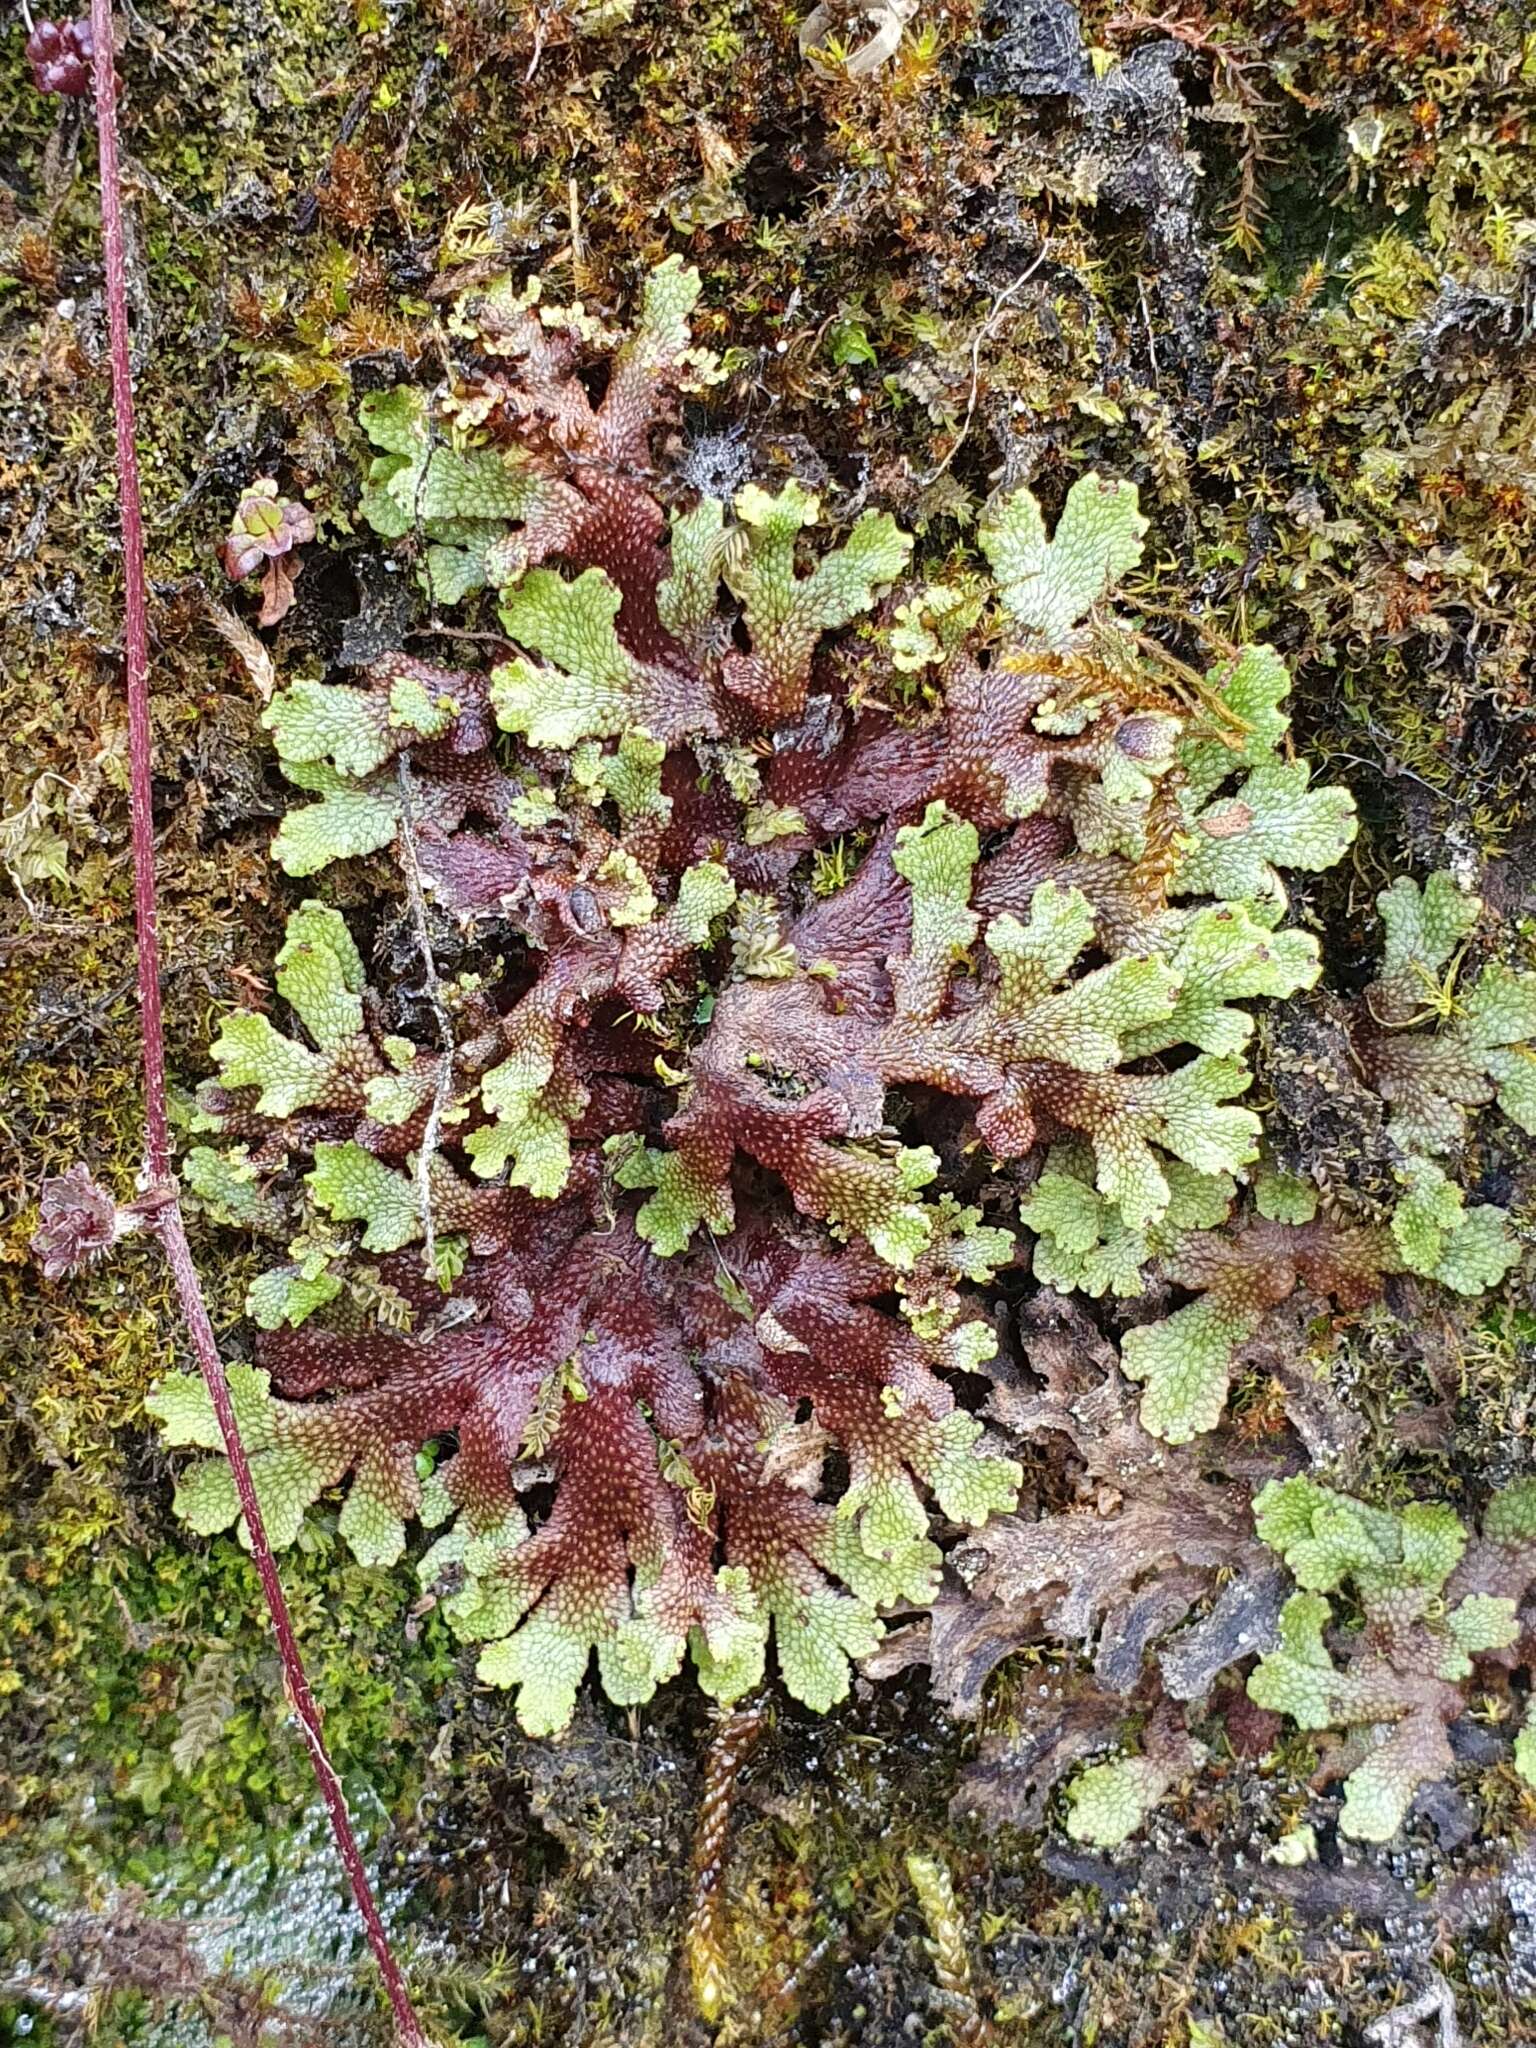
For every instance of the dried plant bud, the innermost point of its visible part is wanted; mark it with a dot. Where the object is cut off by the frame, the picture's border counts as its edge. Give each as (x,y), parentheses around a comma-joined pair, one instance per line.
(265,525)
(79,1223)
(60,55)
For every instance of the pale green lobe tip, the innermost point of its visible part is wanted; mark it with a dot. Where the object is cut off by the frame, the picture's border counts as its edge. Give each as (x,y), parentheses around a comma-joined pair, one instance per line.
(1108,1803)
(688,597)
(667,300)
(1047,586)
(1185,1363)
(347,821)
(354,1187)
(587,687)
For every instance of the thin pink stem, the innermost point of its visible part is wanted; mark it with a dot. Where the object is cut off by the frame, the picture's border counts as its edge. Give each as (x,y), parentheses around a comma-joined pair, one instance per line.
(157,1164)
(194,1309)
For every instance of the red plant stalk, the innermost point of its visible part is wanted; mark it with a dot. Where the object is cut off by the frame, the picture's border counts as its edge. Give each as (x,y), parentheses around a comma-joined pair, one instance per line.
(157,1170)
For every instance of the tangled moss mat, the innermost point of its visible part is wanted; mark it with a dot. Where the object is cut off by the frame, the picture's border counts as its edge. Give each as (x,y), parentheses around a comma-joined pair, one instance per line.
(1276,267)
